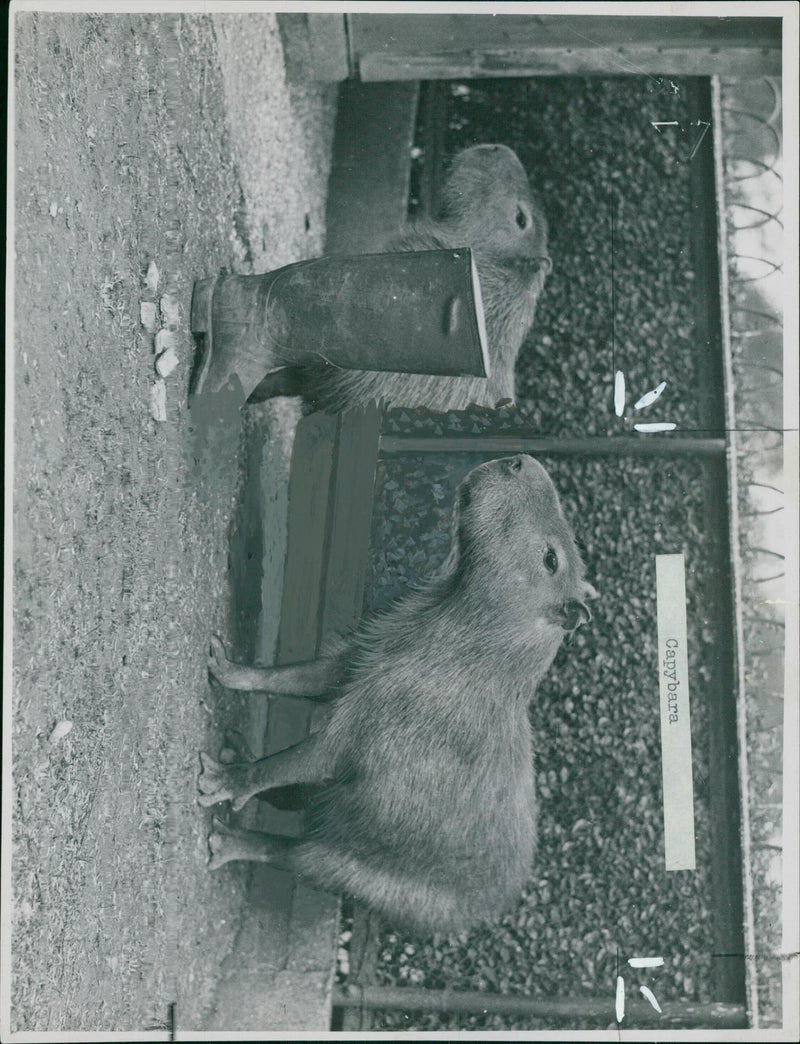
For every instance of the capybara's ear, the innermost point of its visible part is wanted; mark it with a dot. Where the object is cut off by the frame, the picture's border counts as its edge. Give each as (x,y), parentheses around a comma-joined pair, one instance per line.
(588,590)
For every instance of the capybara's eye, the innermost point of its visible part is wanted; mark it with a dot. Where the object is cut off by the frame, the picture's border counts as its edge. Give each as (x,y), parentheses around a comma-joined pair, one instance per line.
(550,560)
(522,218)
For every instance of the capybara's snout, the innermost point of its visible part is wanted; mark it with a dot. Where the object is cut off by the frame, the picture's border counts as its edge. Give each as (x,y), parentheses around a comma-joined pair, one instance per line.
(521,469)
(526,468)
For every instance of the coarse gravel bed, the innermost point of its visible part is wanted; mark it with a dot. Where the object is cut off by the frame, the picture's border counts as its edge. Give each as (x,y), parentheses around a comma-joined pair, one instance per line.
(598,892)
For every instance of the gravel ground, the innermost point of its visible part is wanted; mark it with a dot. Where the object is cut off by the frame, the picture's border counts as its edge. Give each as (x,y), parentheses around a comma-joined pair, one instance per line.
(143,143)
(598,892)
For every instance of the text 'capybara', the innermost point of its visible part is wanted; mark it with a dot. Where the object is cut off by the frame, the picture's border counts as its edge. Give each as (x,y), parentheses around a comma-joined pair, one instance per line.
(486,204)
(427,812)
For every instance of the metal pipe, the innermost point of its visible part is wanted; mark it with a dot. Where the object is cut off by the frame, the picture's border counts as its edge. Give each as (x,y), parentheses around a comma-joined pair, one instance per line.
(674,1013)
(624,445)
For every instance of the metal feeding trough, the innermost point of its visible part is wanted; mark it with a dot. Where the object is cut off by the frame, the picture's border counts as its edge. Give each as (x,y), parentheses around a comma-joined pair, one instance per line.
(411,312)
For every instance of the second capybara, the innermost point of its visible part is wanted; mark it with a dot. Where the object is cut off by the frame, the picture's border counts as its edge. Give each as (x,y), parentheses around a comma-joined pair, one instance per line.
(486,204)
(427,810)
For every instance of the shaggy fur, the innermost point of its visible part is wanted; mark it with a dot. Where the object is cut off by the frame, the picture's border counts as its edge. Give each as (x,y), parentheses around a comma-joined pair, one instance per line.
(429,812)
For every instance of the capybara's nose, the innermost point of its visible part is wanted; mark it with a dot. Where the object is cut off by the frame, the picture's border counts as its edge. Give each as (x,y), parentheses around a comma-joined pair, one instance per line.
(573,614)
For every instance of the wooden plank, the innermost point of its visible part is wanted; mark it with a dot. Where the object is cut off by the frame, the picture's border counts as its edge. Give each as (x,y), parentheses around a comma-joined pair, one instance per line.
(433,123)
(637,1011)
(244,555)
(709,385)
(409,47)
(334,459)
(351,518)
(345,581)
(363,958)
(309,488)
(727,899)
(330,518)
(289,723)
(555,61)
(327,35)
(288,720)
(657,445)
(421,33)
(370,169)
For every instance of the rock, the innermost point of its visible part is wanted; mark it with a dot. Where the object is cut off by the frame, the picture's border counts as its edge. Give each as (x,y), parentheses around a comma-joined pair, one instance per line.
(148,316)
(170,311)
(166,362)
(151,279)
(60,731)
(158,401)
(165,341)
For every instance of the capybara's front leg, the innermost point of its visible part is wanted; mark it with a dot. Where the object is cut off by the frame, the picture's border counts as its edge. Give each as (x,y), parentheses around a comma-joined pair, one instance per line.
(315,679)
(227,843)
(239,782)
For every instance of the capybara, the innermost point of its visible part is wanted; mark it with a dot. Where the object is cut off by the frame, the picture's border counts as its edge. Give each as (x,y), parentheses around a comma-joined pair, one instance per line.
(486,204)
(427,810)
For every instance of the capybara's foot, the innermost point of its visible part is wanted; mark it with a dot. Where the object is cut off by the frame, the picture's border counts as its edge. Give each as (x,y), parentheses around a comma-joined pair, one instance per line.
(231,675)
(226,843)
(218,782)
(236,745)
(221,845)
(211,781)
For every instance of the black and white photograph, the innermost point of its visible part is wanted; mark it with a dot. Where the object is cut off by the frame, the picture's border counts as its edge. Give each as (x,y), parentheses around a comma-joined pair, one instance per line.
(401,522)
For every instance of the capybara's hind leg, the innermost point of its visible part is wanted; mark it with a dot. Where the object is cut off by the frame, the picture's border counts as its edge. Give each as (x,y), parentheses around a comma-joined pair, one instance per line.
(227,843)
(313,680)
(240,781)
